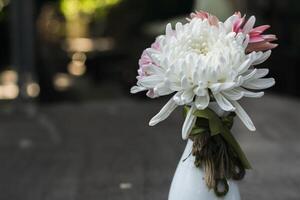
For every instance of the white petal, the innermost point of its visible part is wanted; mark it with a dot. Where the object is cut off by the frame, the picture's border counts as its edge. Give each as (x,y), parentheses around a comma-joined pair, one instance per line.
(175,86)
(229,22)
(233,94)
(151,51)
(247,93)
(164,112)
(223,102)
(217,87)
(246,41)
(202,102)
(243,116)
(257,55)
(231,35)
(239,81)
(187,96)
(151,94)
(185,83)
(245,66)
(136,89)
(162,89)
(249,25)
(178,26)
(255,74)
(153,69)
(259,84)
(177,98)
(263,58)
(200,91)
(150,81)
(250,74)
(169,30)
(259,74)
(253,56)
(196,75)
(189,122)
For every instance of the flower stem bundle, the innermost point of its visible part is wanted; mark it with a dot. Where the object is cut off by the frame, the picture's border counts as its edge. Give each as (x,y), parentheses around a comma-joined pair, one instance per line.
(219,160)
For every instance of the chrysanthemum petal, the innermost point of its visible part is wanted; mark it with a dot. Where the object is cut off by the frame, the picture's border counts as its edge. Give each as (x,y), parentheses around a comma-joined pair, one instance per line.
(259,84)
(257,38)
(243,116)
(164,112)
(223,102)
(200,91)
(249,74)
(260,46)
(233,94)
(248,93)
(187,96)
(169,30)
(249,25)
(185,82)
(246,41)
(245,66)
(229,22)
(260,29)
(178,26)
(263,58)
(136,89)
(153,69)
(256,74)
(161,89)
(177,98)
(150,81)
(189,122)
(269,37)
(217,87)
(202,102)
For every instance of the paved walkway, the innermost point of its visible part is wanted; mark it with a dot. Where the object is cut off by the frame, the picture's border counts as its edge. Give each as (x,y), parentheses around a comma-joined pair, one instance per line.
(105,151)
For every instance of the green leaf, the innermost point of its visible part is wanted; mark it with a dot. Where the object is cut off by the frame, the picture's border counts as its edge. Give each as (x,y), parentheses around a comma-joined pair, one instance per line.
(215,123)
(198,130)
(235,145)
(185,110)
(228,120)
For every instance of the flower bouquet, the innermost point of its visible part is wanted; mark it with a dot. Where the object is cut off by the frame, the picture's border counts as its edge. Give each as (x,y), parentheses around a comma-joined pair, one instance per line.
(207,65)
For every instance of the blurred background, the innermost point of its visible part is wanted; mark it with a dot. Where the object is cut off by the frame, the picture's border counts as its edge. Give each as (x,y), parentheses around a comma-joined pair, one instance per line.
(71,50)
(69,129)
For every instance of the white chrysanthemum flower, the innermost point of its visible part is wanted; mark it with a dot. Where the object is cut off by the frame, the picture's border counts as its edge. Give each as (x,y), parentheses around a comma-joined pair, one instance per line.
(200,62)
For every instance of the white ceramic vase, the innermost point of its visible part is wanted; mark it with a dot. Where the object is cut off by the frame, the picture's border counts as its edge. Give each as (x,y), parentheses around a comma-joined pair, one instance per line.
(188,182)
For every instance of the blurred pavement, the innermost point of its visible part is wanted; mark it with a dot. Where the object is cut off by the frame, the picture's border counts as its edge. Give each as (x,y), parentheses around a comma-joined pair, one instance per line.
(105,151)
